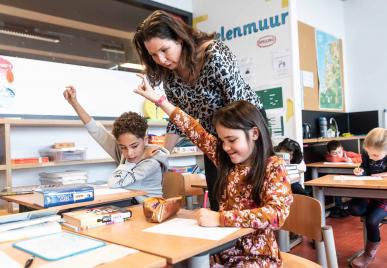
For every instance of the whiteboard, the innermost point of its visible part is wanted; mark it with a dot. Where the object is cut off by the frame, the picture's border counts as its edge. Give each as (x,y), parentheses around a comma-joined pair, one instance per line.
(38,87)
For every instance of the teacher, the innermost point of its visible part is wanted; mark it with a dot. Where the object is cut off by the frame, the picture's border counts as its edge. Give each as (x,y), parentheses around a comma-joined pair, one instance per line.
(199,75)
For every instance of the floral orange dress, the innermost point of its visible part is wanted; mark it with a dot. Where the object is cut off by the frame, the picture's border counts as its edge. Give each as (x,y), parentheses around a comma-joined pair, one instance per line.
(238,208)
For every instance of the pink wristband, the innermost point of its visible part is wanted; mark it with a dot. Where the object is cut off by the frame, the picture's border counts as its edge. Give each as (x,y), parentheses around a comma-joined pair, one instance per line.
(160,100)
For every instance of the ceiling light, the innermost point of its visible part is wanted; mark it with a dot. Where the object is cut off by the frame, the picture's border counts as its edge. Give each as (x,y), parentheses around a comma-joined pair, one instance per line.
(132,66)
(113,49)
(30,35)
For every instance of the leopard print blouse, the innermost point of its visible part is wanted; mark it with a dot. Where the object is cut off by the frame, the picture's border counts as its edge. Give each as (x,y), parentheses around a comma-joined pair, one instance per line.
(219,84)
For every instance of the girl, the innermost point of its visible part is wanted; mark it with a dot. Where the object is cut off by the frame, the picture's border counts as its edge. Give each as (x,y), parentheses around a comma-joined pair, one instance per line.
(199,74)
(294,150)
(252,187)
(374,163)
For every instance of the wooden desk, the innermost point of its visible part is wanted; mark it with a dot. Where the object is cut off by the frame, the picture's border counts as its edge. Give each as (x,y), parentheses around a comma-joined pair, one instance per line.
(174,248)
(326,185)
(139,259)
(28,200)
(332,168)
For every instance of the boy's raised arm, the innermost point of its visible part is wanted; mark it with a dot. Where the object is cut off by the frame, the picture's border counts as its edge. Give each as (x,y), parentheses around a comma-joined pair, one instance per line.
(70,94)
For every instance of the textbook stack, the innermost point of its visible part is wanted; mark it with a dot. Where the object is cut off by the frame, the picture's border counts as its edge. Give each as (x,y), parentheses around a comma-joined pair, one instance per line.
(63,195)
(293,173)
(63,178)
(185,146)
(94,217)
(184,169)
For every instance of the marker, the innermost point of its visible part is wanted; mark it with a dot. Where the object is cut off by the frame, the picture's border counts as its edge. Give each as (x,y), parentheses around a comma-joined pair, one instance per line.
(205,199)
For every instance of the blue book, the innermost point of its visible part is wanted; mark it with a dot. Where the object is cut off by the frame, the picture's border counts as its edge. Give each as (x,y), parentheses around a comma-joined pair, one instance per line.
(63,195)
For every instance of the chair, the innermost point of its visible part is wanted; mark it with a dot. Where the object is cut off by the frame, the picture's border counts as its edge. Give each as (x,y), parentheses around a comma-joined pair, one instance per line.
(294,261)
(176,184)
(305,219)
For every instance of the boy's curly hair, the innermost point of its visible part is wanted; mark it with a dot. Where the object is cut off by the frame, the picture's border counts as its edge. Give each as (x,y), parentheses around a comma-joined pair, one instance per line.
(130,122)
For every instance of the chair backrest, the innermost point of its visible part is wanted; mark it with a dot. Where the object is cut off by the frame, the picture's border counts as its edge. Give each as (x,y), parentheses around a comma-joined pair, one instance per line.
(173,184)
(305,217)
(176,184)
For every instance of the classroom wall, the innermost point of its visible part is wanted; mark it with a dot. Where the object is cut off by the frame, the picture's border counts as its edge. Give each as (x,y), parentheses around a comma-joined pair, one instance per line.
(366,54)
(327,16)
(264,54)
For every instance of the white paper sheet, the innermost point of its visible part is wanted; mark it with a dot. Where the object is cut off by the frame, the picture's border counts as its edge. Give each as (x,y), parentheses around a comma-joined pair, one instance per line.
(93,258)
(190,228)
(357,178)
(103,191)
(7,261)
(307,79)
(30,231)
(338,163)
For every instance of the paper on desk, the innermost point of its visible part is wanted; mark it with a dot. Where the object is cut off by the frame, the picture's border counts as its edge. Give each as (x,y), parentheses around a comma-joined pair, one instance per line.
(357,178)
(190,228)
(103,191)
(7,261)
(93,258)
(30,231)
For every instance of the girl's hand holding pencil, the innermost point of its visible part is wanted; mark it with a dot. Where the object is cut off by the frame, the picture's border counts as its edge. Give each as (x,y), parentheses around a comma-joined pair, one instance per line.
(358,171)
(207,217)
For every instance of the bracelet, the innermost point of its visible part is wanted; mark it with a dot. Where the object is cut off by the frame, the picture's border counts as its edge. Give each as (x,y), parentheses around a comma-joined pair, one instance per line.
(160,100)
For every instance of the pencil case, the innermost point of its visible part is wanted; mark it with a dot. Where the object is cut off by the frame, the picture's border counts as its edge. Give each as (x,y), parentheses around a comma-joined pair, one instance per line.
(157,209)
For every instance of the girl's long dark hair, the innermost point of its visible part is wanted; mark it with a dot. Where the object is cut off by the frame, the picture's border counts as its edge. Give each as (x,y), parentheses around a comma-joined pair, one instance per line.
(243,115)
(165,26)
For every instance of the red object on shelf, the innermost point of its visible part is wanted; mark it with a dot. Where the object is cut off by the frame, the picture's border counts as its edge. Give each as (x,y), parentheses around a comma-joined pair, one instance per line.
(31,160)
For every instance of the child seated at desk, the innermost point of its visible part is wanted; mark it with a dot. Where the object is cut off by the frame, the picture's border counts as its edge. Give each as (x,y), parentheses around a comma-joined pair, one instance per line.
(374,163)
(294,150)
(336,153)
(252,188)
(140,166)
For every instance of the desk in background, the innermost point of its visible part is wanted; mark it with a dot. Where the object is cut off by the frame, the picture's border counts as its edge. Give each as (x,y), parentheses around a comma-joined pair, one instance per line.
(174,248)
(327,185)
(27,201)
(331,168)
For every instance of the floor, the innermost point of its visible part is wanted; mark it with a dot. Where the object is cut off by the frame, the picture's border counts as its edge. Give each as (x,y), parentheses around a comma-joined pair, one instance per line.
(348,240)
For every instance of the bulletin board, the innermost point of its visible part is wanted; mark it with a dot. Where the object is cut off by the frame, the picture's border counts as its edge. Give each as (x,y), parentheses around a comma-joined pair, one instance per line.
(308,63)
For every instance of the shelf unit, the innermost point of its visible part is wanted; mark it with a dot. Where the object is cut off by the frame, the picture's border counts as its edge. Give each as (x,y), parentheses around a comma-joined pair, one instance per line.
(64,163)
(6,126)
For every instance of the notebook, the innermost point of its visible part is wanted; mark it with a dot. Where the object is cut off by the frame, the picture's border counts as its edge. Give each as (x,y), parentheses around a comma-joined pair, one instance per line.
(66,244)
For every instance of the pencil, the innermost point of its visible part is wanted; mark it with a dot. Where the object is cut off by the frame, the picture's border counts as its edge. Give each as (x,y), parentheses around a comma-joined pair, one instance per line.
(205,199)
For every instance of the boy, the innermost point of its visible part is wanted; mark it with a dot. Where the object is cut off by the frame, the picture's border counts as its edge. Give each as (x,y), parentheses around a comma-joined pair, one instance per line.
(140,166)
(336,153)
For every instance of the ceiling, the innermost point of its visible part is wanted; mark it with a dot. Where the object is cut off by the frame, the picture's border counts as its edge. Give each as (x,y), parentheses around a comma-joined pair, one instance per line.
(86,32)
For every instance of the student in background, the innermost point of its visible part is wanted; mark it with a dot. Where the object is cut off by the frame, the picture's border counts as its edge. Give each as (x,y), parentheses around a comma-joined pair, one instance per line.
(140,166)
(252,188)
(199,74)
(294,150)
(336,153)
(374,163)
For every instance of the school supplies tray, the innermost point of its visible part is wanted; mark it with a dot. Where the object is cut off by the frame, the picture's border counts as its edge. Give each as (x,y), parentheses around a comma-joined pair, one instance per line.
(58,246)
(64,154)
